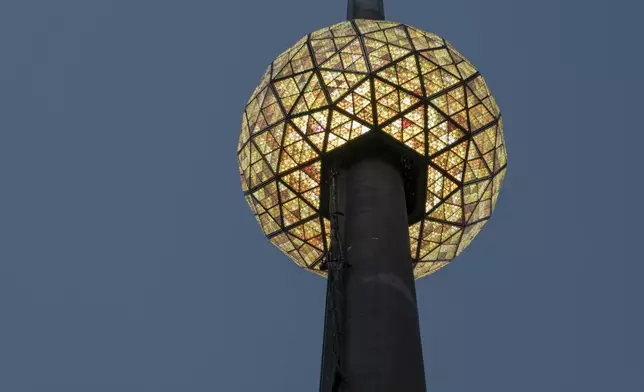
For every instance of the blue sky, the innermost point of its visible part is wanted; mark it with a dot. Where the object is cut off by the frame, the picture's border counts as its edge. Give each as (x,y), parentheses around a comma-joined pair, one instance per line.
(129,260)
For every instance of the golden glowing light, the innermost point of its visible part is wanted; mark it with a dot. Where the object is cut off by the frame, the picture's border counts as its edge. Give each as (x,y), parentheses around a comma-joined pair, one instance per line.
(355,77)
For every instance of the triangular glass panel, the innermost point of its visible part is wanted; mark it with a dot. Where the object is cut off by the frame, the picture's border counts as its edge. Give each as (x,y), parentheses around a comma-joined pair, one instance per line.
(450,210)
(453,104)
(339,83)
(353,62)
(377,35)
(312,98)
(466,69)
(498,182)
(275,213)
(403,73)
(267,195)
(490,104)
(349,58)
(307,230)
(479,115)
(483,210)
(438,80)
(500,158)
(313,197)
(380,55)
(288,90)
(476,168)
(296,210)
(291,136)
(426,268)
(486,140)
(423,40)
(260,172)
(409,130)
(478,86)
(300,152)
(452,161)
(321,34)
(286,161)
(451,69)
(253,110)
(367,26)
(302,60)
(398,36)
(475,191)
(440,136)
(343,29)
(435,233)
(439,187)
(398,52)
(343,41)
(323,49)
(463,66)
(268,144)
(254,205)
(468,235)
(474,211)
(262,83)
(245,133)
(268,223)
(283,59)
(270,112)
(343,129)
(358,102)
(244,156)
(283,243)
(408,78)
(310,254)
(426,248)
(313,127)
(394,102)
(414,238)
(382,89)
(280,62)
(439,57)
(304,179)
(311,232)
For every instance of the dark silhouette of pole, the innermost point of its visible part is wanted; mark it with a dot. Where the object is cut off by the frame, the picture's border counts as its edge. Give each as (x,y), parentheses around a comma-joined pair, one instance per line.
(372,334)
(382,350)
(366,9)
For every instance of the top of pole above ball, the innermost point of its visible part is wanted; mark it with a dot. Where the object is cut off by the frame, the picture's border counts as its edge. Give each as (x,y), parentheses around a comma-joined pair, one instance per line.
(365,9)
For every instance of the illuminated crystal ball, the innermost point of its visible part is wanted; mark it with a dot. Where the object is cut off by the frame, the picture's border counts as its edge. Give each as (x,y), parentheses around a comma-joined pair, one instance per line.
(363,76)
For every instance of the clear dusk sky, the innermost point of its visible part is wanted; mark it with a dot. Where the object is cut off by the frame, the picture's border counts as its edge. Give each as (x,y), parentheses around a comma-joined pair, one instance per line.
(130,262)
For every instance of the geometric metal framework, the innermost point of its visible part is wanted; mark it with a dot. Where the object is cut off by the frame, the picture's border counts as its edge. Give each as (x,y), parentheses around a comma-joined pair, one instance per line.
(356,77)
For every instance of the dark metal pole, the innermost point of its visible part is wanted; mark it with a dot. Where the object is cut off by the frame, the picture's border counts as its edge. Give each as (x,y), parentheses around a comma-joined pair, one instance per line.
(382,350)
(371,333)
(366,9)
